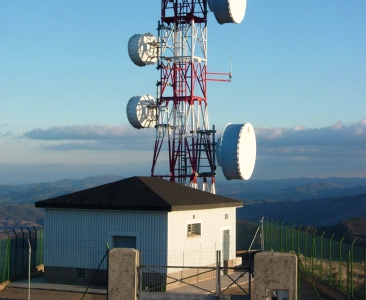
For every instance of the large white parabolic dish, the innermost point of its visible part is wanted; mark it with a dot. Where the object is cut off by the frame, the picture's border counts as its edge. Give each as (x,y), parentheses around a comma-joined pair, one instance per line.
(143,49)
(228,11)
(141,111)
(236,151)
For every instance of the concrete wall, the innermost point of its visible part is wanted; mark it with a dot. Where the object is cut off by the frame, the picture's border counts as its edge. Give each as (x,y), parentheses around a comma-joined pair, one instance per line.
(200,250)
(122,274)
(277,272)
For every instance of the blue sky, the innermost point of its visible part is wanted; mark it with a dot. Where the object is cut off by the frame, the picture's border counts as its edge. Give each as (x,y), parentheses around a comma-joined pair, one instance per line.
(299,74)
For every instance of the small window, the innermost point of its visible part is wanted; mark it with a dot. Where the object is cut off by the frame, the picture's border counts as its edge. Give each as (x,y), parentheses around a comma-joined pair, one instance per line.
(80,273)
(194,229)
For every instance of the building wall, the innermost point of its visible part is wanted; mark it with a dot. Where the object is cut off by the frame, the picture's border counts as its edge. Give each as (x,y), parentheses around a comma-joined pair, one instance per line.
(200,250)
(77,238)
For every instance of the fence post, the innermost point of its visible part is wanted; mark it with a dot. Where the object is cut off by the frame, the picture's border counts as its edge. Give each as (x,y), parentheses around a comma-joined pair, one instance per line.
(276,236)
(267,235)
(262,234)
(21,229)
(35,248)
(340,264)
(16,253)
(286,238)
(270,236)
(298,238)
(41,245)
(298,269)
(330,260)
(352,257)
(281,248)
(218,283)
(364,274)
(321,256)
(7,258)
(292,238)
(348,273)
(29,266)
(313,253)
(306,246)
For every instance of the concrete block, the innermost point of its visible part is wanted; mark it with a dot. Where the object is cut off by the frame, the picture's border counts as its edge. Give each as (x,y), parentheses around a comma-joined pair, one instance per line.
(275,272)
(122,274)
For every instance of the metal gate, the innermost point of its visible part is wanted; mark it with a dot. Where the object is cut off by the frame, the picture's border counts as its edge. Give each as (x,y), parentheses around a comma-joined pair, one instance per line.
(203,282)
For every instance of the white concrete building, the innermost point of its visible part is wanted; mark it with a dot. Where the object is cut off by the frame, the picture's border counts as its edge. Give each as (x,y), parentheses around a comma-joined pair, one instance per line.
(169,224)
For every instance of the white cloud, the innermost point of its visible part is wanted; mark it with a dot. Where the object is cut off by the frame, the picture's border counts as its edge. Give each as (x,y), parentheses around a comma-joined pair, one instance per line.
(335,140)
(83,132)
(338,136)
(337,150)
(93,137)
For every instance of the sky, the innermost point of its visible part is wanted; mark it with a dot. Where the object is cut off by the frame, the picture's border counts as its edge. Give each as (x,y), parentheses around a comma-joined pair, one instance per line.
(299,77)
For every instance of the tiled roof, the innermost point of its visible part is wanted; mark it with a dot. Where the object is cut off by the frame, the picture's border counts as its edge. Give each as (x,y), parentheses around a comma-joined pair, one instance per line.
(141,194)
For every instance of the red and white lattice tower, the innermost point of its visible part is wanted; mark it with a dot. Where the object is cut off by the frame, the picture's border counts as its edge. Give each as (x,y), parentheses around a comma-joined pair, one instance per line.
(180,111)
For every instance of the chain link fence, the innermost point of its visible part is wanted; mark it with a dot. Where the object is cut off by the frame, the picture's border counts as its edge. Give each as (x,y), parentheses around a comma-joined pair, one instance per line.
(14,251)
(328,263)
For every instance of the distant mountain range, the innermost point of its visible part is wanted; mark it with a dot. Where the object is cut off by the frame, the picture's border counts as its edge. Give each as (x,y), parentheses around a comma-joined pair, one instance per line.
(31,193)
(313,212)
(301,201)
(292,189)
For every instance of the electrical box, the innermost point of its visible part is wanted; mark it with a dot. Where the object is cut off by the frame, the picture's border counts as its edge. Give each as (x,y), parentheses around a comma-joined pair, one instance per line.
(280,294)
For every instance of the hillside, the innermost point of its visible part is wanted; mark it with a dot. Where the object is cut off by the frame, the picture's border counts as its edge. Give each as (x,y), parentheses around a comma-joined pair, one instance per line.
(351,229)
(314,212)
(292,189)
(17,201)
(20,216)
(30,193)
(304,208)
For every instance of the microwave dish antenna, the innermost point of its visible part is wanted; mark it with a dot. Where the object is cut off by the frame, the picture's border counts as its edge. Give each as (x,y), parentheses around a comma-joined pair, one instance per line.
(228,11)
(179,112)
(236,151)
(141,111)
(143,49)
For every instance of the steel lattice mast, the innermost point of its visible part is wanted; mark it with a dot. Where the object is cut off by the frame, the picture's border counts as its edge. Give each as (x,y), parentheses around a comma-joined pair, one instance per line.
(182,116)
(179,113)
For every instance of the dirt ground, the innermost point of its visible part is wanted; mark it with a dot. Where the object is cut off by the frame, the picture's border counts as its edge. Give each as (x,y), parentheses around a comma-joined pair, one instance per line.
(18,294)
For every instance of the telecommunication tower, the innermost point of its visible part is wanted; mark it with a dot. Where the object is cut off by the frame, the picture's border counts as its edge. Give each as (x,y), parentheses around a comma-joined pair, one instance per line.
(179,113)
